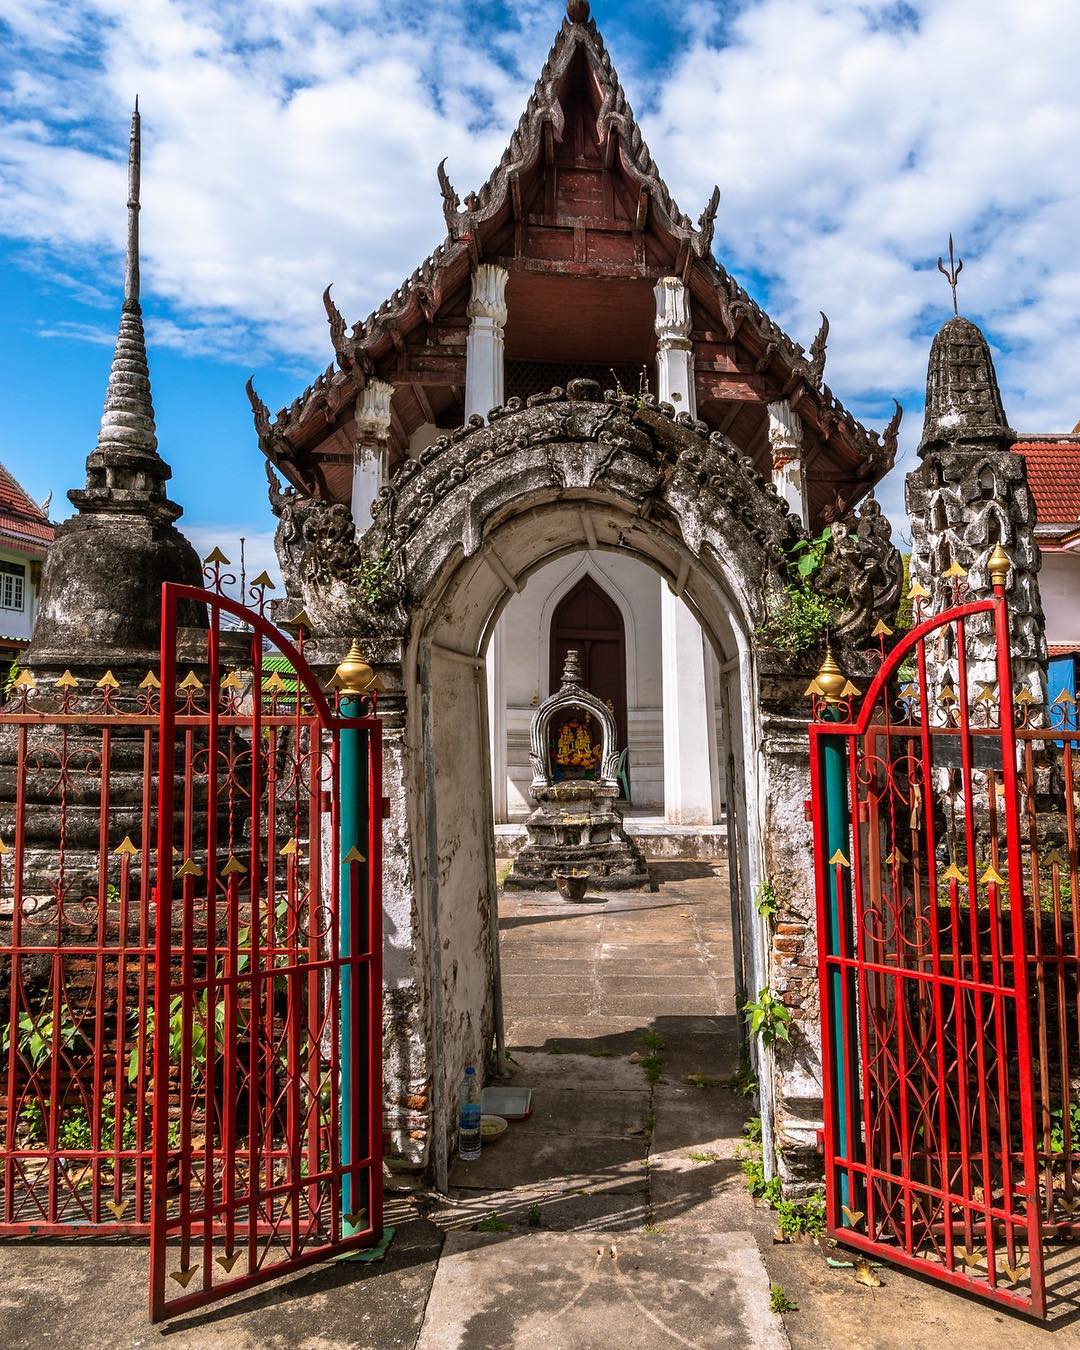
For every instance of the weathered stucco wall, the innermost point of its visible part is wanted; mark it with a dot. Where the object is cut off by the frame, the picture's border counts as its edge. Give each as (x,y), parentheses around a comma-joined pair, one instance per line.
(460,877)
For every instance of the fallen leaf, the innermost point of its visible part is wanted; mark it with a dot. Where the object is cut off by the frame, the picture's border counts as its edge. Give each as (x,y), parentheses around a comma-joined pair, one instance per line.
(864,1275)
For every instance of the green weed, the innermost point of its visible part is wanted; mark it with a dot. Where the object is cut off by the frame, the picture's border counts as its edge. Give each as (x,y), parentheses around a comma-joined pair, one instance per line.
(779,1301)
(700,1080)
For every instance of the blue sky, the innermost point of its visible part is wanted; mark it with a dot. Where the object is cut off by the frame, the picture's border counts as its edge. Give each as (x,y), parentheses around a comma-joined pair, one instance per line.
(288,144)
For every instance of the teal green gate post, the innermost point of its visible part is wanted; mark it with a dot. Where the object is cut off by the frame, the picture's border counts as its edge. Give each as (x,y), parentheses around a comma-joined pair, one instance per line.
(354,677)
(834,841)
(836,833)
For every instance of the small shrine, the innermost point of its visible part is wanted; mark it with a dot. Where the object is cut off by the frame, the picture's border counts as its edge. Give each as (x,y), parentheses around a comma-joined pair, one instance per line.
(576,830)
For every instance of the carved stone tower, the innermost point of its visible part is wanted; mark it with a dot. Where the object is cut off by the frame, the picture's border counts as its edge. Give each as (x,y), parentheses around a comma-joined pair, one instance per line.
(969,494)
(101,586)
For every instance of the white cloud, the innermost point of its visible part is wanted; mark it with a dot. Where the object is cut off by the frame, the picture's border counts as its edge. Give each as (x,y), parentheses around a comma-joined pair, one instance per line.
(287,145)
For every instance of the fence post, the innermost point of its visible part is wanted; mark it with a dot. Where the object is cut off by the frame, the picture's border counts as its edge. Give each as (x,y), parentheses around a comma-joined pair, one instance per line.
(354,677)
(833,689)
(836,834)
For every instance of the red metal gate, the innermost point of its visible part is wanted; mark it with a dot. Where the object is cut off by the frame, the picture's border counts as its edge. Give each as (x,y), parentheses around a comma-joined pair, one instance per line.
(267,1108)
(924,930)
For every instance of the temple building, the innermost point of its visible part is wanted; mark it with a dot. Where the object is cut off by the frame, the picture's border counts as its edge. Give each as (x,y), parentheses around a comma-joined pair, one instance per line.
(25,536)
(573,261)
(1053,468)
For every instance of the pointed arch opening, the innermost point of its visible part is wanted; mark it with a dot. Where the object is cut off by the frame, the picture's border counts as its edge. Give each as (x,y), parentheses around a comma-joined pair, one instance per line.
(587,619)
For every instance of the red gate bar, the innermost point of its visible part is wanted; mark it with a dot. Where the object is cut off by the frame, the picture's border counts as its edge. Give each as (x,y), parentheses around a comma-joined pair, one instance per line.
(931,1041)
(248,1168)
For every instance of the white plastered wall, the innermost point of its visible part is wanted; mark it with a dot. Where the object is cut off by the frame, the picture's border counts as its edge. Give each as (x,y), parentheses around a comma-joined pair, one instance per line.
(1059,586)
(518,678)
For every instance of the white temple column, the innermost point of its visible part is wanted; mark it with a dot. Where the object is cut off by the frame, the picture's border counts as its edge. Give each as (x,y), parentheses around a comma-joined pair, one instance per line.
(786,443)
(484,373)
(674,350)
(369,449)
(689,717)
(496,701)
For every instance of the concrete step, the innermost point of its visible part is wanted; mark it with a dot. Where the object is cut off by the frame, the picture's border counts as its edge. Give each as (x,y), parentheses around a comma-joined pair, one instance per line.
(655,837)
(578,1291)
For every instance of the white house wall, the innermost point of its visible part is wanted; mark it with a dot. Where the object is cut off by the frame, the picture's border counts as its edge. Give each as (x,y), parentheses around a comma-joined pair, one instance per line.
(19,623)
(1059,584)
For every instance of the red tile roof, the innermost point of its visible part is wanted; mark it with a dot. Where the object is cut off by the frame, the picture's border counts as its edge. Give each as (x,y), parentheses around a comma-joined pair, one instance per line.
(1063,648)
(22,521)
(1053,465)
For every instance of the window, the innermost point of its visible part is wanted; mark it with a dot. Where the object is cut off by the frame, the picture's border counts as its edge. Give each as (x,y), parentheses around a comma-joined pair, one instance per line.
(12,581)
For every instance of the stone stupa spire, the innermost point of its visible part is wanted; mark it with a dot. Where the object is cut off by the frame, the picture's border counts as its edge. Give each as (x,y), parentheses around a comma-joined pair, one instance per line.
(100,600)
(970,494)
(124,473)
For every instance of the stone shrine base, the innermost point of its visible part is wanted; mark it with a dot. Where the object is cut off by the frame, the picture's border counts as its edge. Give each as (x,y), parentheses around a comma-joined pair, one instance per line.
(576,827)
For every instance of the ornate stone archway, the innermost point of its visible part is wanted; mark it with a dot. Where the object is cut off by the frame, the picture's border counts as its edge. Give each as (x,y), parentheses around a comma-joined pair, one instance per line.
(455,534)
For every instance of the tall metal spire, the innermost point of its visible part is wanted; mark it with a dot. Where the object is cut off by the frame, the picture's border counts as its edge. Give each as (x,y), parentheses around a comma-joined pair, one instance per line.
(131,267)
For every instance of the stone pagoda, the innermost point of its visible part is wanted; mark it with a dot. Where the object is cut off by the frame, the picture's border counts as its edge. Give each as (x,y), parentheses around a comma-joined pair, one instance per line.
(576,827)
(101,586)
(969,494)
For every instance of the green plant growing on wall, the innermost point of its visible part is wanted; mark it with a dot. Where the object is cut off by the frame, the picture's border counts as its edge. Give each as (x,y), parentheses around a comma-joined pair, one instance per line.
(767,1017)
(14,671)
(373,580)
(767,902)
(808,554)
(797,622)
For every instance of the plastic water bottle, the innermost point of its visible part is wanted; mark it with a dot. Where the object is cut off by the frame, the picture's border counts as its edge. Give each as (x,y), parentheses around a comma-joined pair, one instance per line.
(469,1120)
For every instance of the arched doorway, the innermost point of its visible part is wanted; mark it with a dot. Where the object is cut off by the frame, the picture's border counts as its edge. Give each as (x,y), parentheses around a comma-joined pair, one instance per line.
(456,535)
(588,619)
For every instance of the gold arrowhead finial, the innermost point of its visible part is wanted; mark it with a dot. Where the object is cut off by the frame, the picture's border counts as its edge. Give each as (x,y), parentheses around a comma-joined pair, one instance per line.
(998,566)
(354,676)
(830,679)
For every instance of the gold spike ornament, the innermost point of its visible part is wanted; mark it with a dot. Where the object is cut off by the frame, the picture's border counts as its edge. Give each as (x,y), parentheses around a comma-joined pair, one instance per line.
(998,566)
(354,676)
(830,683)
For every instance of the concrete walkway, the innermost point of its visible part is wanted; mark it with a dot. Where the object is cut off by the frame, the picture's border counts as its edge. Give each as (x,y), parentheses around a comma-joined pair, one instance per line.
(616,1216)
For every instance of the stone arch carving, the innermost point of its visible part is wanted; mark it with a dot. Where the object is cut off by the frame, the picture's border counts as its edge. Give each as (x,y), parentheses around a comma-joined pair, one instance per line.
(454,535)
(577,445)
(587,567)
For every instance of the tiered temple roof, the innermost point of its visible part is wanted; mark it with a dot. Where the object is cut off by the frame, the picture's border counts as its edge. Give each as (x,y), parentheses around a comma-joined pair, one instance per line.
(575,199)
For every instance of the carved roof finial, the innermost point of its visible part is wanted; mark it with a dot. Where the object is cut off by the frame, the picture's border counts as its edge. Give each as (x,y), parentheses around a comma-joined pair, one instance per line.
(952,273)
(577,11)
